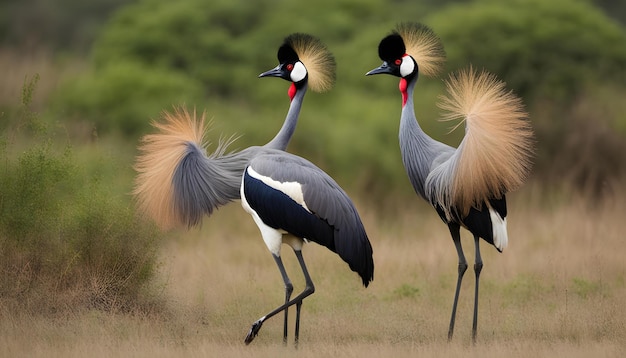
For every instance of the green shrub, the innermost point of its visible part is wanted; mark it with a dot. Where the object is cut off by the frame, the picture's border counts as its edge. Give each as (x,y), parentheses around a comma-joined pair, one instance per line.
(66,240)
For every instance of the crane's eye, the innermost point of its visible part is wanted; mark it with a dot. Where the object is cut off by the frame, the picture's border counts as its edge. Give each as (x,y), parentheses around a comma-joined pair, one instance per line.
(290,67)
(398,62)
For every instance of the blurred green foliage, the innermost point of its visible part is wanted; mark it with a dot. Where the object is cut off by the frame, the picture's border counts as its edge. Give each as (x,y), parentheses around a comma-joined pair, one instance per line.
(541,49)
(207,54)
(220,47)
(72,25)
(118,97)
(564,57)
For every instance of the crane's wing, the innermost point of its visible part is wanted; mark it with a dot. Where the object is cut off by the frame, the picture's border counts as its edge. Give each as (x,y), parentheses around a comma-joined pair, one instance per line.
(307,202)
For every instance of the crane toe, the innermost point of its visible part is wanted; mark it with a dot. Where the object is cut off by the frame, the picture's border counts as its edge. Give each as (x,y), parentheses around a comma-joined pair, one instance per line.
(254,330)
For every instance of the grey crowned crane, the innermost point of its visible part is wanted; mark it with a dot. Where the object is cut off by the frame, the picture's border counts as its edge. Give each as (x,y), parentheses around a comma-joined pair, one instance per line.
(290,199)
(465,185)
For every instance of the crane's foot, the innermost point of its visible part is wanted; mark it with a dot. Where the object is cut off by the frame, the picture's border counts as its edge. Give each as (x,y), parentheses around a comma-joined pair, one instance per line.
(254,330)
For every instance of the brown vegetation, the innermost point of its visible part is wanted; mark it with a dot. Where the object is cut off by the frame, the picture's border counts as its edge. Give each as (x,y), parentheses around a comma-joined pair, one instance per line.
(557,290)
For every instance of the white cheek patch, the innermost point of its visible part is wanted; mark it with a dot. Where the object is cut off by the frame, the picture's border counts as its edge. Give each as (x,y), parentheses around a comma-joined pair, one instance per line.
(407,66)
(290,188)
(299,72)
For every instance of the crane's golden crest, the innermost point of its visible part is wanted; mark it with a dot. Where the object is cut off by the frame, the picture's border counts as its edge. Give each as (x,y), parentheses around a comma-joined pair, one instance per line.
(424,46)
(317,59)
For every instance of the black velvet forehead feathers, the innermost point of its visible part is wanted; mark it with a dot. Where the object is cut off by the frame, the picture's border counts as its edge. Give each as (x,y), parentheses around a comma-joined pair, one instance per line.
(391,48)
(286,53)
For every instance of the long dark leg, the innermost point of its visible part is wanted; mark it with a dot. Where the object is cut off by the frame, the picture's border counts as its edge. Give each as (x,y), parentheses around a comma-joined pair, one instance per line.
(288,291)
(456,237)
(308,290)
(478,266)
(297,333)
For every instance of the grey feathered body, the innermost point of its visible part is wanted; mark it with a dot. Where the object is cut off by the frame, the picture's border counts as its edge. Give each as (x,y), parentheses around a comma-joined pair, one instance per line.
(304,201)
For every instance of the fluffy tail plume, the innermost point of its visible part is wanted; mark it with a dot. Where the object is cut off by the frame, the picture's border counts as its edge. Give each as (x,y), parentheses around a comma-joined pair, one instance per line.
(177,183)
(494,157)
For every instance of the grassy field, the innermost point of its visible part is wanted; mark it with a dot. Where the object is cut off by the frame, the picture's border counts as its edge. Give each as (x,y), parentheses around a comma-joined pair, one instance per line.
(558,290)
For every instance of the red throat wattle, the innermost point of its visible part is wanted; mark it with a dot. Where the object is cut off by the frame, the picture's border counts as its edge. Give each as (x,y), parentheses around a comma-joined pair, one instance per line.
(292,91)
(402,87)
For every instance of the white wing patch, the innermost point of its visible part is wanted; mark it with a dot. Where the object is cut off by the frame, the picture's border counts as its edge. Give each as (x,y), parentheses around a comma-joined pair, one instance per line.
(273,238)
(498,224)
(290,188)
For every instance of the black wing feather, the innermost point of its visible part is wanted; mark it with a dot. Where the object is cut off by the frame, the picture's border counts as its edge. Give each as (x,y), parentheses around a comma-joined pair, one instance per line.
(478,221)
(332,221)
(280,212)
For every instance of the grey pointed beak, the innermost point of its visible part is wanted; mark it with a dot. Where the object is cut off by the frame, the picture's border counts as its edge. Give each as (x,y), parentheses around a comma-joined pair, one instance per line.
(382,69)
(274,72)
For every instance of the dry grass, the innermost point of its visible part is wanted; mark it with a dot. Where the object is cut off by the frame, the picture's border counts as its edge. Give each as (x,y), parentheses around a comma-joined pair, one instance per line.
(559,289)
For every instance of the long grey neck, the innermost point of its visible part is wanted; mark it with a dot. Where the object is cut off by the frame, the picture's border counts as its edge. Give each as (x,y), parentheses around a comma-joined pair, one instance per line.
(417,148)
(282,138)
